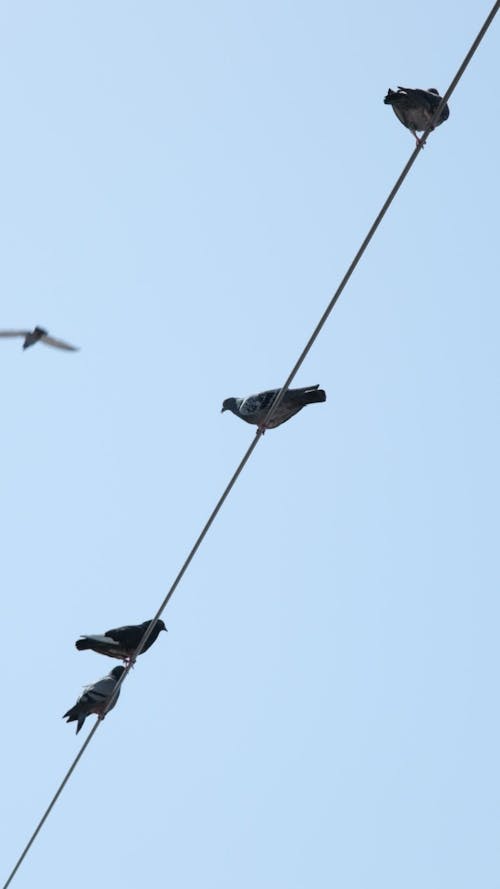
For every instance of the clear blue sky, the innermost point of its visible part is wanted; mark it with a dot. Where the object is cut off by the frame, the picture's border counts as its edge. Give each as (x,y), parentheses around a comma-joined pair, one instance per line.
(183,187)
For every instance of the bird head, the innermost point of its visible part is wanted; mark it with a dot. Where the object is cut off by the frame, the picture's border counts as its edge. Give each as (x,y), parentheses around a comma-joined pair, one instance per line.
(158,626)
(116,672)
(229,404)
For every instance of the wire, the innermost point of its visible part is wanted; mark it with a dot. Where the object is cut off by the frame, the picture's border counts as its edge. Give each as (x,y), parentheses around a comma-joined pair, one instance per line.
(277,401)
(52,803)
(138,650)
(317,330)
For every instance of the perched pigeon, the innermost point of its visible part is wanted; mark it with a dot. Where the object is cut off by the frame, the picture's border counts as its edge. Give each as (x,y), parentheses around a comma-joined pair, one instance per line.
(38,334)
(255,408)
(416,108)
(121,642)
(95,698)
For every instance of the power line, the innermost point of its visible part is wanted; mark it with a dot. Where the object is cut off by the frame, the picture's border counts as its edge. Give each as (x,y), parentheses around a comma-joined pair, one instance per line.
(277,401)
(52,803)
(137,652)
(326,314)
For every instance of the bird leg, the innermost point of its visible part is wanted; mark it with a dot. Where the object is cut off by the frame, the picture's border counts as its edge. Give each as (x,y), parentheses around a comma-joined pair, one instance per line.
(420,142)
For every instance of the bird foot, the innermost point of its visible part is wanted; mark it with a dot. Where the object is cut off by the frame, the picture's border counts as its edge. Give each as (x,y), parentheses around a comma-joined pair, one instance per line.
(261,430)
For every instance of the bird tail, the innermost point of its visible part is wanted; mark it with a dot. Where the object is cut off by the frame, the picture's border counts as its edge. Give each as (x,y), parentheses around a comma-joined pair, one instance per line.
(75,714)
(315,397)
(83,644)
(311,395)
(72,714)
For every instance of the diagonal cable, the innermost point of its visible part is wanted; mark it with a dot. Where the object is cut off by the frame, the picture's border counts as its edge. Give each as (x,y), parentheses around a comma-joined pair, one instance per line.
(277,401)
(324,318)
(140,647)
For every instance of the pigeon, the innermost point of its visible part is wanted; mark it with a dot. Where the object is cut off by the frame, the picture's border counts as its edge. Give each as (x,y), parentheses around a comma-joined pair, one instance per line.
(254,409)
(38,335)
(95,698)
(416,108)
(121,642)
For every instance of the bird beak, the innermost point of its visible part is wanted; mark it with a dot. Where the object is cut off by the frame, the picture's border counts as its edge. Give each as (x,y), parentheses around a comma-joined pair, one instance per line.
(164,628)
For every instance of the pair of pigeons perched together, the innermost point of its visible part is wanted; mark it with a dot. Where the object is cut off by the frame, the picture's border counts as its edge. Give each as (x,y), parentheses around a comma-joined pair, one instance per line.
(121,643)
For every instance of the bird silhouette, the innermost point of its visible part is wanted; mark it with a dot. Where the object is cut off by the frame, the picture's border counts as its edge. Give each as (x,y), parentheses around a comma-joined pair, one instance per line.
(38,334)
(122,642)
(254,408)
(415,108)
(95,698)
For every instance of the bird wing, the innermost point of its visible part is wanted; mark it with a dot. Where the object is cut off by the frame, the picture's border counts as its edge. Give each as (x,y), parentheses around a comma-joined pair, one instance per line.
(116,632)
(106,640)
(128,636)
(303,389)
(58,344)
(254,404)
(421,95)
(14,333)
(101,689)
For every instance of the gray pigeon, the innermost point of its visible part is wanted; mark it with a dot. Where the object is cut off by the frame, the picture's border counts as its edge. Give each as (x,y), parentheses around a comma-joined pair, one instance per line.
(95,698)
(415,108)
(255,408)
(38,335)
(121,642)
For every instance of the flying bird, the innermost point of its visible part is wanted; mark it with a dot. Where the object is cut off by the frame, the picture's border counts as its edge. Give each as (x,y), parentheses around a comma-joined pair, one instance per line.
(95,698)
(416,108)
(121,642)
(254,408)
(38,334)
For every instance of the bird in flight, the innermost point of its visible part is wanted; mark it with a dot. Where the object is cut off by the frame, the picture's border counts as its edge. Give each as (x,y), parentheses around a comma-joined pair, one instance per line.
(38,334)
(122,642)
(416,108)
(95,699)
(254,408)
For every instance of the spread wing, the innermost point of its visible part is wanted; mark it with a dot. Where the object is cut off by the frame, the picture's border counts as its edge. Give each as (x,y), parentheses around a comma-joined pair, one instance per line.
(11,333)
(58,344)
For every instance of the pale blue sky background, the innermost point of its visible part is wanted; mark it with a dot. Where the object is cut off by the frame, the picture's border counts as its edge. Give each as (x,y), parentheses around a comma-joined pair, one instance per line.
(183,187)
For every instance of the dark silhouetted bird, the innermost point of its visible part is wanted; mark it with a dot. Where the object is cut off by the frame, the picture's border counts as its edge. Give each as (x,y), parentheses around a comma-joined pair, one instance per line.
(38,335)
(95,698)
(121,642)
(255,408)
(416,108)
